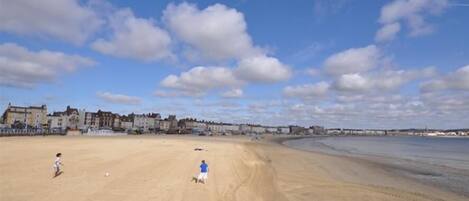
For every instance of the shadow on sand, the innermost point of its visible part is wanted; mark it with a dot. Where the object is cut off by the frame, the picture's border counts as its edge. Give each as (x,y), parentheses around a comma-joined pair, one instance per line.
(57,174)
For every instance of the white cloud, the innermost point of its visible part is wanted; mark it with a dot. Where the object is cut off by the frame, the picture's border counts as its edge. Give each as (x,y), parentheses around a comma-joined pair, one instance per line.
(20,67)
(457,103)
(262,69)
(353,60)
(307,91)
(377,111)
(349,98)
(389,80)
(387,32)
(458,80)
(410,11)
(67,20)
(135,38)
(381,80)
(216,32)
(233,93)
(200,79)
(352,82)
(119,98)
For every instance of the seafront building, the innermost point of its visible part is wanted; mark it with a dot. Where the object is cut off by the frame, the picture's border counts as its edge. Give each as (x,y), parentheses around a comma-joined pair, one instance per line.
(25,117)
(106,119)
(71,118)
(125,122)
(231,128)
(145,122)
(78,120)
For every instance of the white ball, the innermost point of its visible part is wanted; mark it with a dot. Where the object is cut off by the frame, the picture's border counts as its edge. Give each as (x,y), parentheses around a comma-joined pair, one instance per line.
(107,174)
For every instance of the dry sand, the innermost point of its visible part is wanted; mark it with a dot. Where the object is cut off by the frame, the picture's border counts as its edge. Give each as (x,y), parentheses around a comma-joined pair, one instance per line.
(162,168)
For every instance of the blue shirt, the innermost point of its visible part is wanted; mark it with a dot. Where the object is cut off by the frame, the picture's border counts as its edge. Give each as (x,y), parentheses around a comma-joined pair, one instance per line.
(203,167)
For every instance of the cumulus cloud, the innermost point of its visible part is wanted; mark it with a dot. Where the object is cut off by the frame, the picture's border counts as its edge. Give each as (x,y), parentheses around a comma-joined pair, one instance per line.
(307,91)
(381,80)
(392,79)
(135,38)
(352,82)
(382,111)
(216,32)
(67,20)
(262,69)
(457,80)
(21,67)
(444,103)
(199,80)
(353,60)
(118,98)
(233,93)
(412,12)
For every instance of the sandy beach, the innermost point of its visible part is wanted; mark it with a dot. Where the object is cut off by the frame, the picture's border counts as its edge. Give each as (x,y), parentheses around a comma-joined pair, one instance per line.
(163,167)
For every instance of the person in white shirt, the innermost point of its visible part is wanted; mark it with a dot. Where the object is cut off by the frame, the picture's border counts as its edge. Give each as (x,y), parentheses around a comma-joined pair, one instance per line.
(57,164)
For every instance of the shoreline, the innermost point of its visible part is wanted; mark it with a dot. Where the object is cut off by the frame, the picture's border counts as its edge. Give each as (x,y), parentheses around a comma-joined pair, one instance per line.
(415,171)
(161,168)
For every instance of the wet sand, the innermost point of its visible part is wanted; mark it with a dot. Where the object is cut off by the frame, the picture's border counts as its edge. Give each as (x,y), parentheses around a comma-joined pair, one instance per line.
(163,167)
(439,162)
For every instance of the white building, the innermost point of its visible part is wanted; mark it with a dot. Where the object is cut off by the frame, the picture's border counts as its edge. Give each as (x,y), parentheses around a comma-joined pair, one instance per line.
(283,130)
(165,125)
(245,128)
(57,121)
(271,129)
(258,129)
(146,122)
(139,122)
(215,128)
(230,128)
(81,119)
(190,124)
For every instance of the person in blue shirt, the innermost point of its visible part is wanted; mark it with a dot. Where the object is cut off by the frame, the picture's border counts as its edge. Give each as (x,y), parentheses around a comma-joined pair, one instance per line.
(203,172)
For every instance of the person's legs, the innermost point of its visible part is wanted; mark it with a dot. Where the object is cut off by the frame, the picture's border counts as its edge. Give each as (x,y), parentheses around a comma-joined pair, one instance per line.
(200,177)
(205,177)
(57,170)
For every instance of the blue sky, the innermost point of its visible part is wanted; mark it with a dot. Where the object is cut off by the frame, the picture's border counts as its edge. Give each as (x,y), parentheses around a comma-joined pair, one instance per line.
(343,63)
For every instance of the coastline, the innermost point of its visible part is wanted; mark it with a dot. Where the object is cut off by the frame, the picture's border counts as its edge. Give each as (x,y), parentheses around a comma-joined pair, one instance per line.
(161,168)
(415,171)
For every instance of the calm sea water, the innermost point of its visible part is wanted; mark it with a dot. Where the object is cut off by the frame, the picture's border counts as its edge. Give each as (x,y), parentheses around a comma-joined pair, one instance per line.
(440,161)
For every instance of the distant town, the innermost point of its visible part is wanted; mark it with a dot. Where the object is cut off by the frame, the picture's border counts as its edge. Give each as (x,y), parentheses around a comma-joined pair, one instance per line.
(35,120)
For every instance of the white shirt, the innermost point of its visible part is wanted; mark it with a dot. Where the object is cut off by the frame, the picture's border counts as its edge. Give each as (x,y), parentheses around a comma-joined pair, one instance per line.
(57,162)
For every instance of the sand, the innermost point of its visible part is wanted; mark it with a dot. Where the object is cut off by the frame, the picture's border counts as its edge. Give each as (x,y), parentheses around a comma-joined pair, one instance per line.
(163,167)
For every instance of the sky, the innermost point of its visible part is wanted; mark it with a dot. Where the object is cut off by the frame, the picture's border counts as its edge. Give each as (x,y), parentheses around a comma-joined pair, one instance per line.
(339,64)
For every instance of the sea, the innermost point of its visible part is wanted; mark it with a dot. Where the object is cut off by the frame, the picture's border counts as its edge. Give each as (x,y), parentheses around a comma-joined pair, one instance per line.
(439,161)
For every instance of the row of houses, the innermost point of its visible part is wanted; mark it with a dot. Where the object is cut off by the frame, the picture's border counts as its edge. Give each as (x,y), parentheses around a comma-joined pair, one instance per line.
(342,131)
(191,125)
(75,119)
(33,117)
